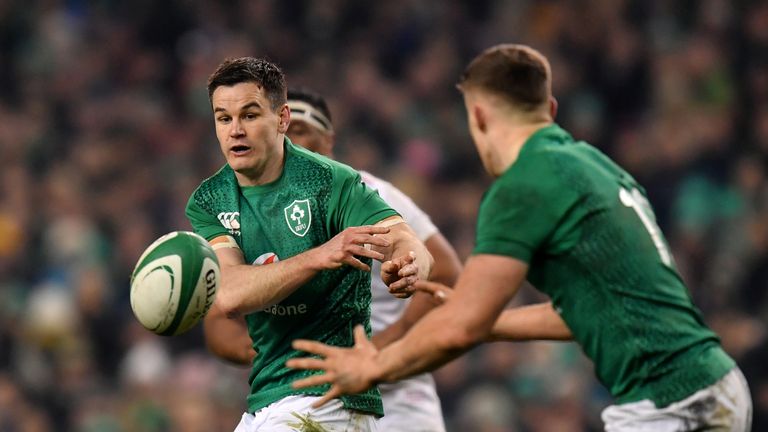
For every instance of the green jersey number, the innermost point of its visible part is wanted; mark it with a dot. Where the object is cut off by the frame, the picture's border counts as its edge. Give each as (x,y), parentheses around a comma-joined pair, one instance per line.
(640,205)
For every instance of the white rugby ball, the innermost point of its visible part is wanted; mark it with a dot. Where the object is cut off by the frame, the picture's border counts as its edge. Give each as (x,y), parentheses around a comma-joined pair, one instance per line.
(174,283)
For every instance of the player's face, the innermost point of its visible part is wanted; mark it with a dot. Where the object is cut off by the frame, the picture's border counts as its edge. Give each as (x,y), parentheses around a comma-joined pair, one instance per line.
(311,138)
(250,133)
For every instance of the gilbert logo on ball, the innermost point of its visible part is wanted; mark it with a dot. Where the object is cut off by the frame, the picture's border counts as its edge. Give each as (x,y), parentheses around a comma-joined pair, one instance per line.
(174,283)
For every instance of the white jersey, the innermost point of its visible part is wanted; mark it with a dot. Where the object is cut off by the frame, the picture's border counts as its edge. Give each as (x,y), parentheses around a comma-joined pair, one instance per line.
(386,308)
(411,404)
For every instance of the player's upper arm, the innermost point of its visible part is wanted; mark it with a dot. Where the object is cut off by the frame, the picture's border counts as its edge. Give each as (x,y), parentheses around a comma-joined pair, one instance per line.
(524,210)
(227,251)
(354,203)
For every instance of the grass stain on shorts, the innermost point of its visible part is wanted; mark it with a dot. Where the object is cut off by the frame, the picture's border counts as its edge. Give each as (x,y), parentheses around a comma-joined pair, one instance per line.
(306,424)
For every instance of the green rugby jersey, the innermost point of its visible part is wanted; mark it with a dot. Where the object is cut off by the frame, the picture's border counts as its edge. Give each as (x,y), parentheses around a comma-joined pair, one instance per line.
(314,199)
(590,238)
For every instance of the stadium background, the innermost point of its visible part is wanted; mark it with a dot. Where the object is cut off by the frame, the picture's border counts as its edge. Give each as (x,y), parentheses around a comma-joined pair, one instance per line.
(105,129)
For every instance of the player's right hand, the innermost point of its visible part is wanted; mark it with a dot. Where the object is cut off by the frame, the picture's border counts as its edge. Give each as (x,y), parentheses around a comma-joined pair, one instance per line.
(439,292)
(347,370)
(346,246)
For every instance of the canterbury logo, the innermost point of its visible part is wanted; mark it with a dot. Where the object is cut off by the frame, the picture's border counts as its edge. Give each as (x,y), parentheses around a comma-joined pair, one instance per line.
(230,222)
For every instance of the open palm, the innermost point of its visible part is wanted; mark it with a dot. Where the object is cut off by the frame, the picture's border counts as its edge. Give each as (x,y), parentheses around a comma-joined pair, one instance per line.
(348,370)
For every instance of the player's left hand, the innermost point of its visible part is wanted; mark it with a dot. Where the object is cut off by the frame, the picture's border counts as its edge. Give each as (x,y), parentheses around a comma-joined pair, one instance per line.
(348,370)
(399,274)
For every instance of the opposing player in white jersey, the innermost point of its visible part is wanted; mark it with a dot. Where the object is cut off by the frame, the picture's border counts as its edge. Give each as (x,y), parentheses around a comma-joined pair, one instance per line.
(411,404)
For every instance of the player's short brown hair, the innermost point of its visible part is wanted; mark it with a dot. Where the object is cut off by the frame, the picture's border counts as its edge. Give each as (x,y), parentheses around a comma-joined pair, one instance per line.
(517,73)
(268,75)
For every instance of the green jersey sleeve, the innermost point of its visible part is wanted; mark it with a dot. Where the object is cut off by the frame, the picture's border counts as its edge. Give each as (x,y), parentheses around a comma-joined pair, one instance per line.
(523,211)
(204,223)
(355,203)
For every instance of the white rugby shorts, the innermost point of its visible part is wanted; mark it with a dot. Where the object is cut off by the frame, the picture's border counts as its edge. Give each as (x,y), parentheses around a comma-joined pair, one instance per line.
(295,413)
(411,405)
(724,406)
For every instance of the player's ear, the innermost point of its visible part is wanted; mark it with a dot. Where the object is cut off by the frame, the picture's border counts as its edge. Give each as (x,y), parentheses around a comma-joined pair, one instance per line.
(284,119)
(481,118)
(552,107)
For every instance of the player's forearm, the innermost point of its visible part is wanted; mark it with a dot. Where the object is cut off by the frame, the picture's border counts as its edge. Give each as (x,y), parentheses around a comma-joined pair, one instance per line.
(533,322)
(246,289)
(433,341)
(235,350)
(227,338)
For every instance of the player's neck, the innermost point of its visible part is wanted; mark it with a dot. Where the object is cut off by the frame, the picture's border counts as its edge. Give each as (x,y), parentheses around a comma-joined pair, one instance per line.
(510,138)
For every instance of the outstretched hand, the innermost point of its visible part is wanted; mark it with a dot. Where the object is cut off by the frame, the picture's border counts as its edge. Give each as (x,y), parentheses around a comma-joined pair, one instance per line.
(348,370)
(346,246)
(399,274)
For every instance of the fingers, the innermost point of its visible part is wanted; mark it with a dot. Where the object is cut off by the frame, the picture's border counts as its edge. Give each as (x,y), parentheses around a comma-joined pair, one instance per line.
(309,363)
(404,264)
(354,262)
(360,337)
(365,252)
(403,286)
(370,240)
(408,270)
(312,381)
(405,260)
(400,274)
(389,267)
(356,242)
(428,287)
(369,229)
(436,290)
(313,347)
(333,393)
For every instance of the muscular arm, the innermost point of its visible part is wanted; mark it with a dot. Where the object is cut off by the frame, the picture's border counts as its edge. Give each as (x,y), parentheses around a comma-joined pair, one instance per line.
(485,286)
(532,322)
(245,289)
(227,338)
(224,328)
(445,270)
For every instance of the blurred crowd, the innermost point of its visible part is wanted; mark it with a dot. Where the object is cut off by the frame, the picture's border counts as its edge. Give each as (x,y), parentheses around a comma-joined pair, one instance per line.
(105,130)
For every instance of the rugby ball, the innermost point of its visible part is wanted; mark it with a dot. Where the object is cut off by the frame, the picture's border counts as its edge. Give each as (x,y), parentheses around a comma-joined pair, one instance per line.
(174,283)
